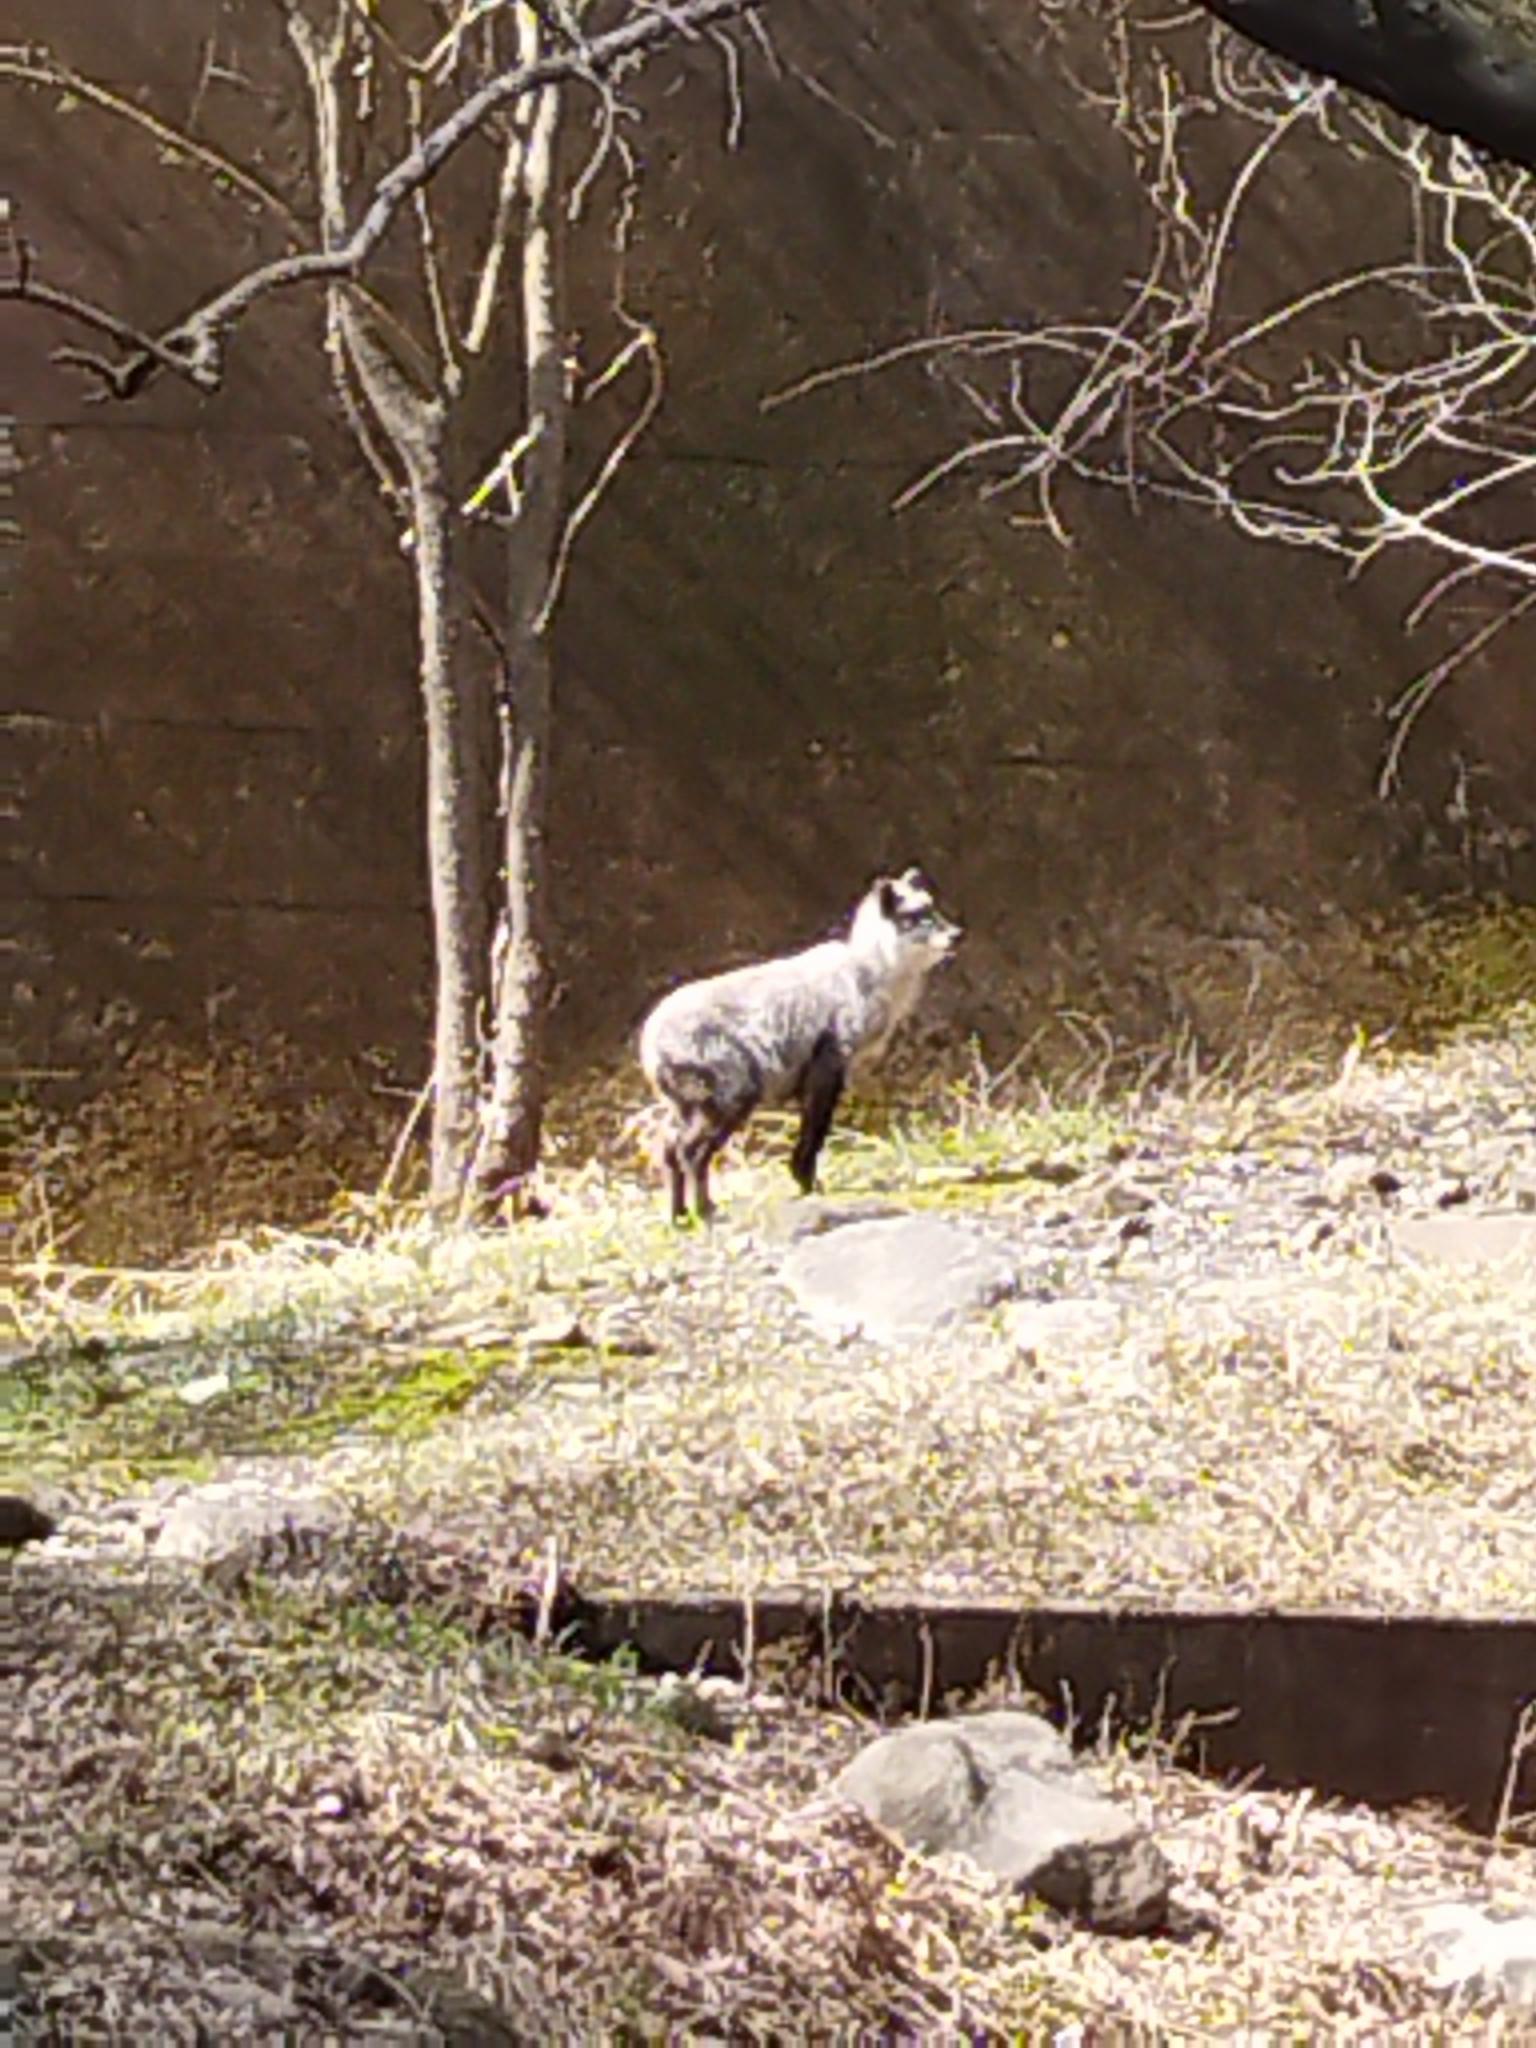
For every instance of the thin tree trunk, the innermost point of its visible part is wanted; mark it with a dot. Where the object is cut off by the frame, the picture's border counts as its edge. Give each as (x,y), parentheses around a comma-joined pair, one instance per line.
(455,697)
(513,1118)
(457,739)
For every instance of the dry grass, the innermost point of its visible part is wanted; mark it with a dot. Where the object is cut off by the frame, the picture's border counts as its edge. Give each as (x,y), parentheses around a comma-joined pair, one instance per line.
(331,1803)
(328,1805)
(186,1134)
(1257,1400)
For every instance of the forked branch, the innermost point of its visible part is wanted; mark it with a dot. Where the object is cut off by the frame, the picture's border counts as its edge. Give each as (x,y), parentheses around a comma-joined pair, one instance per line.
(195,347)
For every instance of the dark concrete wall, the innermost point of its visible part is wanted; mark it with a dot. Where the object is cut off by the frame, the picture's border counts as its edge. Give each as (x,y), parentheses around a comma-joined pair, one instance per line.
(769,682)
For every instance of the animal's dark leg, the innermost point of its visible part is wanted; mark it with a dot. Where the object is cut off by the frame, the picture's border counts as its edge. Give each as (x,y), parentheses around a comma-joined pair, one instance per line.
(696,1178)
(695,1148)
(672,1157)
(712,1130)
(820,1093)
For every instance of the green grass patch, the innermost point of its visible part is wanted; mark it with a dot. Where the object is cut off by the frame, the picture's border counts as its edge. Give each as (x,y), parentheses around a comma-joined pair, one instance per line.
(412,1402)
(1468,969)
(123,1416)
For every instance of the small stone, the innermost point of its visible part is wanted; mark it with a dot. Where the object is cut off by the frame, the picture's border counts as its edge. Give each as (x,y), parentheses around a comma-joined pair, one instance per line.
(547,1746)
(1477,1950)
(207,1387)
(559,1330)
(623,1333)
(1458,1237)
(482,1332)
(1122,1198)
(243,1524)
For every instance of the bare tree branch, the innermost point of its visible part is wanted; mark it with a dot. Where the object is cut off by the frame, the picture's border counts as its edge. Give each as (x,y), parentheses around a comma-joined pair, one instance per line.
(431,260)
(195,347)
(41,67)
(643,343)
(1388,408)
(146,348)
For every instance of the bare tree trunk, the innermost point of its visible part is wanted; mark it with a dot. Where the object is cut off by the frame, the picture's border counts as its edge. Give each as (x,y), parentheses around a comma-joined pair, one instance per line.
(457,742)
(455,698)
(513,1118)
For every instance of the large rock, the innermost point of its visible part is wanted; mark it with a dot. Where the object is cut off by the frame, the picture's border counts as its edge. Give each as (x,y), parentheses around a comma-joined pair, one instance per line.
(1497,1237)
(1479,1951)
(898,1276)
(246,1523)
(1003,1789)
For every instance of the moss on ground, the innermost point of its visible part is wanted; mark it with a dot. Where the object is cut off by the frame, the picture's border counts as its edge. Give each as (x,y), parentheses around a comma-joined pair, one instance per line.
(1473,969)
(120,1417)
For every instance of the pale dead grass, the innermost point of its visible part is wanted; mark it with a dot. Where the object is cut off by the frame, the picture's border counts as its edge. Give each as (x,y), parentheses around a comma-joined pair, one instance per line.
(314,1808)
(1267,1406)
(303,1809)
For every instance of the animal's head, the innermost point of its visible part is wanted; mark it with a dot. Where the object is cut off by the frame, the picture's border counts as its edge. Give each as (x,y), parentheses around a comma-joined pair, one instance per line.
(900,919)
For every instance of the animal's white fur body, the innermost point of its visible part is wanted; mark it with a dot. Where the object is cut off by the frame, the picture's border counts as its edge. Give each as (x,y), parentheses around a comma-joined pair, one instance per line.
(794,1028)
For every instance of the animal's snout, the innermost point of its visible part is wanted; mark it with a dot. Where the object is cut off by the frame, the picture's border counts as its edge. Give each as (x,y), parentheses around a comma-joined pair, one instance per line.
(948,934)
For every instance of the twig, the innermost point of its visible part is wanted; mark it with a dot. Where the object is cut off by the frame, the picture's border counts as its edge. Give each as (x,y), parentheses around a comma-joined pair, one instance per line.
(39,67)
(402,1143)
(646,343)
(1406,710)
(195,347)
(431,262)
(1522,1743)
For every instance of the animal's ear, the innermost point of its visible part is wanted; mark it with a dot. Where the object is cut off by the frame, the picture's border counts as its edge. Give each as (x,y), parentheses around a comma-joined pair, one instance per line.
(888,899)
(913,875)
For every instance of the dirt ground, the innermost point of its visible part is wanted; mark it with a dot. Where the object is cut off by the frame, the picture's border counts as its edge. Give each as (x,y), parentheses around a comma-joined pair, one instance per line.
(325,1796)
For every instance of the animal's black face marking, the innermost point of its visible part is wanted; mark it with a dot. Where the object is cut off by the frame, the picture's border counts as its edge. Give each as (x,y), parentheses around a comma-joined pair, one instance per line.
(908,904)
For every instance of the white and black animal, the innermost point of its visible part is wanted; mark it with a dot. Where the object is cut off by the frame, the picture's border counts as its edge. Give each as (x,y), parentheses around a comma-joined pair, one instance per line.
(788,1030)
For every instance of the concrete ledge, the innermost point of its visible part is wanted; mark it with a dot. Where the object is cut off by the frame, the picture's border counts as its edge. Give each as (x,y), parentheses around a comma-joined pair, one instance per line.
(1383,1709)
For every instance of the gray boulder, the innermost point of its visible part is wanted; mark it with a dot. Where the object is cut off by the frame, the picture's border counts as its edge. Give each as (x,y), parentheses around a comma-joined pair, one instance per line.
(1004,1790)
(1496,1237)
(243,1524)
(1479,1951)
(893,1277)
